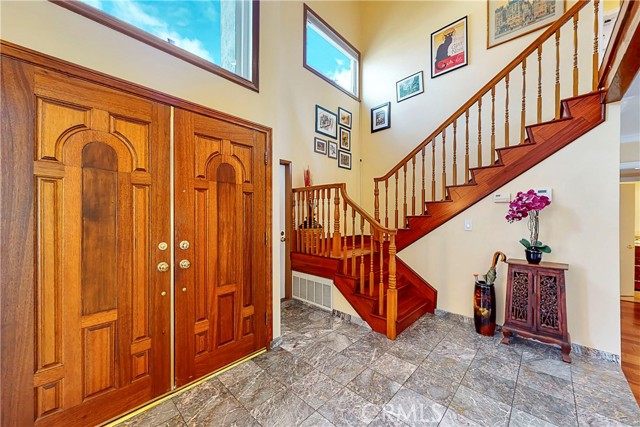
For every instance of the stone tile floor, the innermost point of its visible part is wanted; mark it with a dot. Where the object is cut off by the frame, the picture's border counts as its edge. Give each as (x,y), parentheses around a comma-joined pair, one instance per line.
(439,372)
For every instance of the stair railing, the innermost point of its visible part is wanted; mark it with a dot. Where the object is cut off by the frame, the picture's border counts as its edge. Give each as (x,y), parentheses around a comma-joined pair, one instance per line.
(328,223)
(466,133)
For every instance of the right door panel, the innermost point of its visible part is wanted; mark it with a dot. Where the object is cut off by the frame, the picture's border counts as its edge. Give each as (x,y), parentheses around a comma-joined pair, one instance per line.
(220,234)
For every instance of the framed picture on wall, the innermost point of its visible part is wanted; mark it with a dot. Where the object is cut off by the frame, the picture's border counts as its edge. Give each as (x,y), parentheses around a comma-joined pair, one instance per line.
(508,20)
(344,159)
(381,117)
(333,150)
(345,117)
(326,122)
(320,145)
(345,139)
(409,86)
(449,48)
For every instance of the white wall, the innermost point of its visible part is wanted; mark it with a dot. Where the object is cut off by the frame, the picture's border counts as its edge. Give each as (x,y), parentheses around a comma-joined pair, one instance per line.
(288,92)
(581,226)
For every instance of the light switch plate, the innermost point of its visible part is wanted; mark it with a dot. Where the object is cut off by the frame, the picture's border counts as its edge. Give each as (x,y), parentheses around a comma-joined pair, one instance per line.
(468,225)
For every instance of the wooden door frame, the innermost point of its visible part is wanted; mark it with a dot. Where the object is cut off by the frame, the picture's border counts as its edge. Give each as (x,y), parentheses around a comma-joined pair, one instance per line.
(16,225)
(288,291)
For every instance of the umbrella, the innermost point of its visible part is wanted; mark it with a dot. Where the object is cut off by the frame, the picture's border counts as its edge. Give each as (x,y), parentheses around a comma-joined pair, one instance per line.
(490,277)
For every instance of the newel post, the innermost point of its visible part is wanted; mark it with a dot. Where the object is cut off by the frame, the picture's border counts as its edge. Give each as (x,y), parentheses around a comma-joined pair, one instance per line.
(335,250)
(392,292)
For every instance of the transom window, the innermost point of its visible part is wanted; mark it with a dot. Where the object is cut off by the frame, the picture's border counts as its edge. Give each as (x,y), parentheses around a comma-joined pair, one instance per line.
(330,56)
(218,35)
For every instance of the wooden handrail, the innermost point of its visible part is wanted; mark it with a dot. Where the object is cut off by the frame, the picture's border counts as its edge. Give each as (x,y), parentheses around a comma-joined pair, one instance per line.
(486,88)
(343,191)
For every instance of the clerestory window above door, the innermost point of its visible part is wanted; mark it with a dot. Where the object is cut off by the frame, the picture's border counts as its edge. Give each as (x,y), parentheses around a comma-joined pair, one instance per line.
(220,36)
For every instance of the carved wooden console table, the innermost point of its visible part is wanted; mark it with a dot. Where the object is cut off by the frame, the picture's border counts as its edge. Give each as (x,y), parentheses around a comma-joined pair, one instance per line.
(535,306)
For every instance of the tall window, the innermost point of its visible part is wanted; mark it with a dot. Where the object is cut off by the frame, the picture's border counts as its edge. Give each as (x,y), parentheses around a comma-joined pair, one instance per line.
(218,35)
(329,55)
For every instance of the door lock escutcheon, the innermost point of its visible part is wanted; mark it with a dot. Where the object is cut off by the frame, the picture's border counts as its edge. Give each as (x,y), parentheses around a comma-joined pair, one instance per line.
(184,264)
(163,266)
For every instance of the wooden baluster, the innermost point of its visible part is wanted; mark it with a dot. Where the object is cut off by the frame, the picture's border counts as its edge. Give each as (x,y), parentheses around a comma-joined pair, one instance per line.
(376,202)
(558,74)
(479,131)
(539,83)
(423,184)
(305,224)
(466,148)
(361,254)
(596,61)
(344,247)
(353,241)
(323,236)
(444,164)
(314,222)
(392,292)
(372,279)
(455,151)
(433,170)
(336,224)
(404,203)
(317,194)
(381,284)
(493,126)
(413,186)
(506,112)
(575,54)
(396,223)
(386,202)
(524,94)
(294,232)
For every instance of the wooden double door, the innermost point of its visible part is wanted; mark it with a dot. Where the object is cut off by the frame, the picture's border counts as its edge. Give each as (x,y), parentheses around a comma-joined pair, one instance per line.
(86,227)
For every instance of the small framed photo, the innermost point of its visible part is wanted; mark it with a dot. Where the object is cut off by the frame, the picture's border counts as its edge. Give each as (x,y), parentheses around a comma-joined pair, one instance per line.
(381,117)
(345,139)
(449,48)
(320,145)
(409,86)
(333,150)
(344,159)
(344,117)
(326,122)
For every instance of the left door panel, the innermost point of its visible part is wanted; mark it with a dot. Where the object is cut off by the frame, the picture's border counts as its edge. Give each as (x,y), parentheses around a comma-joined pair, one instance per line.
(92,175)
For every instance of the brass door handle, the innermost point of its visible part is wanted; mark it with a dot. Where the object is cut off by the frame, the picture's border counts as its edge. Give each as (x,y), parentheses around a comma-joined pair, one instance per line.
(163,266)
(184,264)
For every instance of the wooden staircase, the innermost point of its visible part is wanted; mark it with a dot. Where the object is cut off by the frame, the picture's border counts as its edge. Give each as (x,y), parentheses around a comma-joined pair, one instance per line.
(382,289)
(578,116)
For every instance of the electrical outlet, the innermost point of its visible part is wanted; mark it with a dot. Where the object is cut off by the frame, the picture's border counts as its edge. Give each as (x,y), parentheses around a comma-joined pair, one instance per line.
(468,225)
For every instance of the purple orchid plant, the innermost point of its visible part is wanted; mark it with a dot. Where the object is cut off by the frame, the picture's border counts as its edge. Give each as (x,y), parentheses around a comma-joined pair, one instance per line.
(528,205)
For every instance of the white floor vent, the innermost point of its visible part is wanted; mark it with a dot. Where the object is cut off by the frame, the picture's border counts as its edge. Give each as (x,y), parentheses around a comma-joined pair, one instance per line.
(312,289)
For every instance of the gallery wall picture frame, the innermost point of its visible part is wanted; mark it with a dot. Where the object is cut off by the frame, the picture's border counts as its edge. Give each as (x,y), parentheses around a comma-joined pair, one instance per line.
(344,159)
(326,122)
(410,86)
(345,139)
(345,118)
(381,117)
(320,145)
(449,48)
(332,150)
(509,20)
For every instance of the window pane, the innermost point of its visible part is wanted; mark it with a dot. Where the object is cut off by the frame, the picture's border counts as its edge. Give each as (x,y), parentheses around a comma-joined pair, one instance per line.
(219,32)
(328,54)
